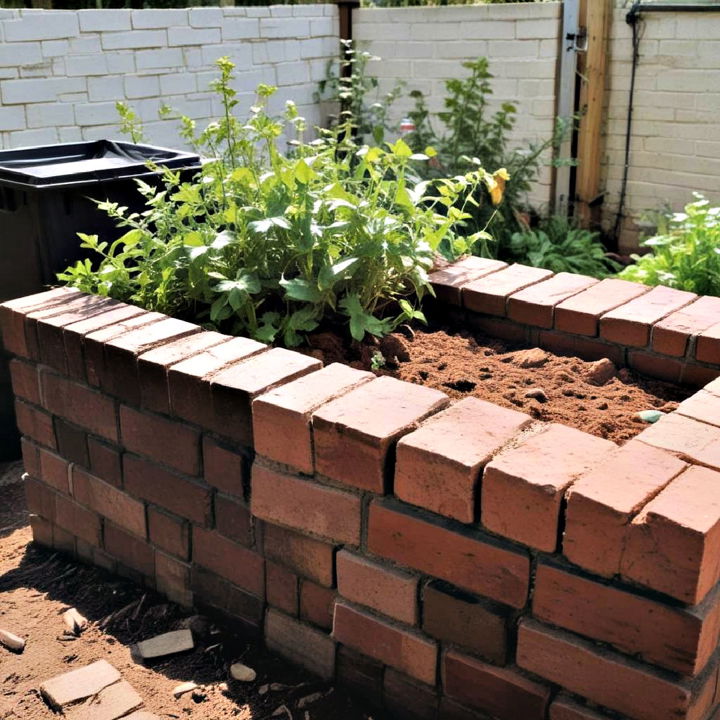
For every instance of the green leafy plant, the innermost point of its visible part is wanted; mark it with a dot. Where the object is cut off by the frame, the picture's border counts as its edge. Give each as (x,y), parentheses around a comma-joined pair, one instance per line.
(685,254)
(561,247)
(271,244)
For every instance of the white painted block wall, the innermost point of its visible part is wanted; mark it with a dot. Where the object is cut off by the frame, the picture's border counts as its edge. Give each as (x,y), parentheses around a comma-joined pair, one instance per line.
(61,72)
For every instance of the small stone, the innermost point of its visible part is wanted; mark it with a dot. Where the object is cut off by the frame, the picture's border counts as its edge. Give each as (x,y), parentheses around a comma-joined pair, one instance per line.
(183,688)
(12,641)
(533,358)
(601,372)
(650,416)
(242,673)
(282,710)
(536,394)
(74,621)
(263,689)
(602,405)
(169,643)
(310,699)
(79,684)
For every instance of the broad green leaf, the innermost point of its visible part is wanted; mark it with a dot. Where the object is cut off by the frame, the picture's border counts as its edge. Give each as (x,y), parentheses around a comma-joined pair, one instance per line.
(303,172)
(299,289)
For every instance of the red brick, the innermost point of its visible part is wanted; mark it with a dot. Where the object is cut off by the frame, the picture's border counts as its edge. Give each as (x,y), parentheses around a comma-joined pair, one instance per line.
(79,521)
(237,564)
(566,709)
(224,469)
(130,551)
(656,366)
(72,443)
(316,604)
(691,439)
(40,499)
(579,346)
(189,384)
(707,348)
(172,578)
(489,294)
(361,675)
(186,498)
(453,616)
(673,546)
(80,405)
(74,334)
(605,678)
(389,591)
(30,457)
(522,490)
(308,557)
(353,434)
(234,388)
(53,470)
(25,381)
(448,282)
(168,532)
(702,406)
(580,314)
(165,441)
(535,305)
(305,505)
(502,692)
(108,501)
(696,375)
(671,335)
(463,558)
(438,465)
(390,644)
(602,502)
(236,604)
(63,541)
(105,462)
(35,424)
(496,327)
(451,710)
(408,699)
(630,323)
(669,637)
(281,588)
(42,530)
(713,387)
(152,366)
(282,417)
(233,519)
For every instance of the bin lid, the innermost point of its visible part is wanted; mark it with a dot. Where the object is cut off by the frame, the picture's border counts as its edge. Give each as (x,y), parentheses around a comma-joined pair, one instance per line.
(85,163)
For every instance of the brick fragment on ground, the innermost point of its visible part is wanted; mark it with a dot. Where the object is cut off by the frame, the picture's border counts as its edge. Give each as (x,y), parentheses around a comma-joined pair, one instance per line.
(112,703)
(169,643)
(79,684)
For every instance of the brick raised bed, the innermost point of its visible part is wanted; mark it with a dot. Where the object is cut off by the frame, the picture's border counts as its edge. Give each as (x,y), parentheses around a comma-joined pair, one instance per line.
(448,561)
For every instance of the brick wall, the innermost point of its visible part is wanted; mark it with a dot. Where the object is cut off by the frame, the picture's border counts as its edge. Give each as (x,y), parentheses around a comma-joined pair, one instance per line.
(445,561)
(426,46)
(61,72)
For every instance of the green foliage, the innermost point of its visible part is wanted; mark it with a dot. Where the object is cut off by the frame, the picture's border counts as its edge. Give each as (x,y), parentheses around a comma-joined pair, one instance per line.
(270,245)
(685,254)
(559,246)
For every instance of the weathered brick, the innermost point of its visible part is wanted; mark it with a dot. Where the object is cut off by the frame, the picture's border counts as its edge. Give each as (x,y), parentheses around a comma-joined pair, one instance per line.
(361,675)
(606,678)
(234,388)
(35,424)
(300,644)
(72,443)
(236,563)
(702,406)
(316,604)
(108,501)
(353,434)
(657,366)
(563,708)
(696,375)
(179,495)
(105,461)
(630,323)
(522,490)
(305,505)
(40,499)
(454,616)
(408,699)
(308,557)
(63,541)
(42,530)
(80,405)
(392,645)
(53,470)
(707,348)
(237,605)
(439,464)
(282,417)
(25,381)
(673,545)
(30,457)
(498,327)
(281,588)
(603,501)
(165,441)
(580,346)
(672,334)
(670,637)
(387,590)
(224,469)
(580,313)
(535,305)
(449,281)
(130,551)
(233,519)
(190,390)
(172,578)
(79,521)
(168,532)
(489,295)
(465,559)
(501,692)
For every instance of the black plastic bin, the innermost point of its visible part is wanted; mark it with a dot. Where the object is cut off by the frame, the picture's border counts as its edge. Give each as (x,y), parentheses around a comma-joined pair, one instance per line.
(47,196)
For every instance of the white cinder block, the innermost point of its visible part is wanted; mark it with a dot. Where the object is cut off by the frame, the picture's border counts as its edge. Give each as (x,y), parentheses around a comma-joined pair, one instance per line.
(85,44)
(292,73)
(52,25)
(103,113)
(121,62)
(86,65)
(240,28)
(488,30)
(20,92)
(284,27)
(155,19)
(69,134)
(106,88)
(27,138)
(537,29)
(164,58)
(322,26)
(50,114)
(12,118)
(55,48)
(206,17)
(18,54)
(135,39)
(100,20)
(191,36)
(141,86)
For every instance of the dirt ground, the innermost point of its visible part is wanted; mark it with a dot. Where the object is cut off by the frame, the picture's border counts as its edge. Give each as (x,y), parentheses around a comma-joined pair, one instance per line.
(37,586)
(595,397)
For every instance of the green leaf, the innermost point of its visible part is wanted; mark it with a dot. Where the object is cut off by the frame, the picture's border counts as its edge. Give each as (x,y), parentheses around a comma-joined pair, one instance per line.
(299,289)
(262,226)
(244,282)
(362,321)
(303,172)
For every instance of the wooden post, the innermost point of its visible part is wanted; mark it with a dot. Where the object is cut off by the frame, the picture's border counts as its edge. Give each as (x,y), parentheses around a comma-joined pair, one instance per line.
(592,93)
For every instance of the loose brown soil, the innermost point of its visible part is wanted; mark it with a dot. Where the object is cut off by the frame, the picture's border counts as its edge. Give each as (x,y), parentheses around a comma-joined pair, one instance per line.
(595,397)
(37,586)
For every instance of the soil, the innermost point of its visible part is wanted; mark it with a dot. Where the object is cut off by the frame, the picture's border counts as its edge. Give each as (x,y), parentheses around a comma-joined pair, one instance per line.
(37,586)
(595,397)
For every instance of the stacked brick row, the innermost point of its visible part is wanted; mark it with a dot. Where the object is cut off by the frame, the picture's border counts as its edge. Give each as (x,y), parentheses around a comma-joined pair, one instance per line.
(669,334)
(446,561)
